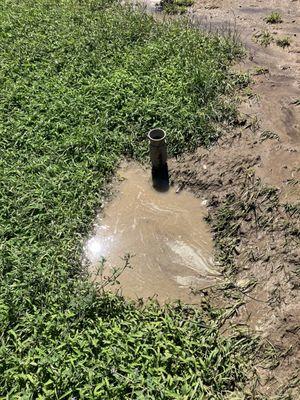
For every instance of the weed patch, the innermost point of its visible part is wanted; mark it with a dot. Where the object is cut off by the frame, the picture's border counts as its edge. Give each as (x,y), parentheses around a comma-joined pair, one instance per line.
(274,18)
(176,6)
(264,38)
(284,42)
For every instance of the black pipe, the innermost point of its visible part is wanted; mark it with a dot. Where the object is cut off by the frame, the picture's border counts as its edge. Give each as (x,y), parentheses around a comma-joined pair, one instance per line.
(158,156)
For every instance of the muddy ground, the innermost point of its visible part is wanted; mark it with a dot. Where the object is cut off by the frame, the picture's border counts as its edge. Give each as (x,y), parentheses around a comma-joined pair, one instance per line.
(272,106)
(251,180)
(257,248)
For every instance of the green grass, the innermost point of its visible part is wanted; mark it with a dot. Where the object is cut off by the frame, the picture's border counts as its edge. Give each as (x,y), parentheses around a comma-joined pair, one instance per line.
(274,18)
(261,71)
(283,42)
(264,38)
(176,6)
(82,82)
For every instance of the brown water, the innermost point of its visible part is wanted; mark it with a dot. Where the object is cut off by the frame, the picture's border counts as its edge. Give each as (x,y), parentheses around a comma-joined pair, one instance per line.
(166,234)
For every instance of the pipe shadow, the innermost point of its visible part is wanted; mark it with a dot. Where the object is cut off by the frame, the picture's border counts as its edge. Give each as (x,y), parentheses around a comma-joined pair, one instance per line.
(160,178)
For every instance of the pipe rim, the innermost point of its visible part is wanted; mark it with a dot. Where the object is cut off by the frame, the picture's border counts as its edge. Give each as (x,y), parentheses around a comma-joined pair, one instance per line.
(161,133)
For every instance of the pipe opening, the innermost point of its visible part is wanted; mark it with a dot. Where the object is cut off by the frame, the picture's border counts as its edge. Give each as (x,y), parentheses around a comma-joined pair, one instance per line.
(157,135)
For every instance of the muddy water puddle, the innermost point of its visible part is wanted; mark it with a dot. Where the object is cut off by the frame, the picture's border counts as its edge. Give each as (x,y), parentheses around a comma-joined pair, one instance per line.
(165,233)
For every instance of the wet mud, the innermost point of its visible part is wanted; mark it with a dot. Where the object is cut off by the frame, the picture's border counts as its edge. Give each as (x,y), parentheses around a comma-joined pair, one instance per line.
(272,105)
(257,243)
(260,156)
(164,232)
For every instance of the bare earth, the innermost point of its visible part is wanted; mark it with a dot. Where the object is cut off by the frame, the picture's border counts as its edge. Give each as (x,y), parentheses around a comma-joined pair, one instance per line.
(262,244)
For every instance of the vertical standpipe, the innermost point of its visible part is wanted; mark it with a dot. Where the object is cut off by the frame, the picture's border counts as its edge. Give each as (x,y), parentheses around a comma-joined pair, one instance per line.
(158,156)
